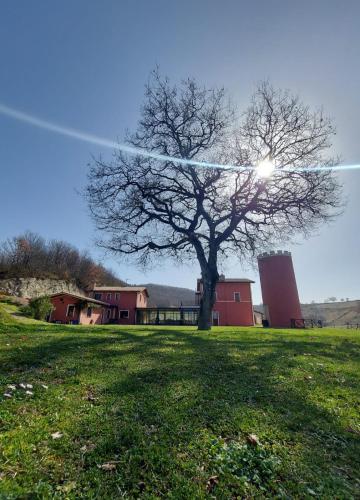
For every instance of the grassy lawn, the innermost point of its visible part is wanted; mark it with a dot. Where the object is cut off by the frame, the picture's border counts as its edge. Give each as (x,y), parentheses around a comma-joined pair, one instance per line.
(167,412)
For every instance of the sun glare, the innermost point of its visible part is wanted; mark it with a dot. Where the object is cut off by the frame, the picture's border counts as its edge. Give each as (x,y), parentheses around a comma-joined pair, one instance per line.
(265,168)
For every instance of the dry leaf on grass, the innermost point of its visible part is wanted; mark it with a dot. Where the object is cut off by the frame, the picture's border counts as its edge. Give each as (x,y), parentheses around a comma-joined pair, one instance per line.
(353,431)
(211,483)
(253,439)
(108,466)
(56,435)
(87,447)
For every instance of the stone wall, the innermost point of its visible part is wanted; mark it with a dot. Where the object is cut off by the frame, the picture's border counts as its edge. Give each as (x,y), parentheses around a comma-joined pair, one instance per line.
(35,287)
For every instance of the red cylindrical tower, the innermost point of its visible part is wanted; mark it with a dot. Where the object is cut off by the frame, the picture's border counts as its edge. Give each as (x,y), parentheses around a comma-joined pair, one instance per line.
(278,287)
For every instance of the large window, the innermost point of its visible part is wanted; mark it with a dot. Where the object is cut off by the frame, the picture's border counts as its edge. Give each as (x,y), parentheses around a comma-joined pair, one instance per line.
(70,311)
(97,296)
(237,297)
(123,314)
(167,316)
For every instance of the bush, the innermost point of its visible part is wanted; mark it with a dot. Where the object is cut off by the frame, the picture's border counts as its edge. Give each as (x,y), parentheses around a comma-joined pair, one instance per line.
(38,308)
(27,311)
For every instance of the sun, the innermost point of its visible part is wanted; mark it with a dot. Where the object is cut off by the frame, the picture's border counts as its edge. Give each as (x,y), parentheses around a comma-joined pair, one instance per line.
(265,168)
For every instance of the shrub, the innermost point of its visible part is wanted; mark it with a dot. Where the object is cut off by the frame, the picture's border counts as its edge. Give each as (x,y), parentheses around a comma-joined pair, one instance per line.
(27,311)
(38,308)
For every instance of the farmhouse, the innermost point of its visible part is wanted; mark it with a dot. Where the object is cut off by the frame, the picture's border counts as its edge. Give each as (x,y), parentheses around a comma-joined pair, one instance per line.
(76,309)
(123,302)
(128,305)
(233,302)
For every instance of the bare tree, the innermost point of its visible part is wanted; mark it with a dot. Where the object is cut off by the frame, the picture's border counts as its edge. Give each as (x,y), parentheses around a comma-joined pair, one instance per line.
(151,207)
(29,255)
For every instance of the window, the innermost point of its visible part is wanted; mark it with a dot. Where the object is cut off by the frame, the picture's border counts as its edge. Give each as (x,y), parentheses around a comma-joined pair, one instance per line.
(237,296)
(123,314)
(70,310)
(215,295)
(108,296)
(97,296)
(89,312)
(108,313)
(117,296)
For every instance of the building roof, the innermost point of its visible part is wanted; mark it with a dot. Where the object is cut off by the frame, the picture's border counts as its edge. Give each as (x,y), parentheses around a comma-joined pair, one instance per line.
(81,297)
(235,280)
(120,289)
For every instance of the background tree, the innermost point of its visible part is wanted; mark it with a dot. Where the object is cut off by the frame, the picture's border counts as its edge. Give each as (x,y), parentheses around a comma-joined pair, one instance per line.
(152,207)
(29,255)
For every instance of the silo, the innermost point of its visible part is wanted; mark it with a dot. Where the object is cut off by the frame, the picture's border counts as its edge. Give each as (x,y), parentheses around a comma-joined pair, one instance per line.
(278,287)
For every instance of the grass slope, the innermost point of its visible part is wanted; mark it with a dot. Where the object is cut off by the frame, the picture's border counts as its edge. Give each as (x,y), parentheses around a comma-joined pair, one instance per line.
(167,412)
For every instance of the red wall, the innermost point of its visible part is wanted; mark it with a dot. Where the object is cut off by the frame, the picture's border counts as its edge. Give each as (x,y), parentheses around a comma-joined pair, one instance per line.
(279,290)
(233,313)
(127,300)
(61,303)
(95,318)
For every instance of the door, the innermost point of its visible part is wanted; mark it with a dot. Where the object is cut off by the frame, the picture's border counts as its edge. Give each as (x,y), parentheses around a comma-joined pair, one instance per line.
(215,318)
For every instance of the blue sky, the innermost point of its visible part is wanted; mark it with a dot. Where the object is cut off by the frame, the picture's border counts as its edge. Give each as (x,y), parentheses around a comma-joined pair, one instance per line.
(83,64)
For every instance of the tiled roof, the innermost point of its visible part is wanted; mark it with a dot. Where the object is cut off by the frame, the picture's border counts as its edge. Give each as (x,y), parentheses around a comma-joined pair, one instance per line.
(81,297)
(120,289)
(236,280)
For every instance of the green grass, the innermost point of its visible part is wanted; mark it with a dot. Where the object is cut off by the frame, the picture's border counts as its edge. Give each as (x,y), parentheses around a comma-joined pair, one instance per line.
(170,411)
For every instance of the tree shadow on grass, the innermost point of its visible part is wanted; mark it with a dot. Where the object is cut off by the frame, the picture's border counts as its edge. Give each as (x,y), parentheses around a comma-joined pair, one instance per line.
(170,392)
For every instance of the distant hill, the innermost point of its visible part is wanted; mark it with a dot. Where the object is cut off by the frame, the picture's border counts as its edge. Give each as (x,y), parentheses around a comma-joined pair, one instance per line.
(334,313)
(169,296)
(331,313)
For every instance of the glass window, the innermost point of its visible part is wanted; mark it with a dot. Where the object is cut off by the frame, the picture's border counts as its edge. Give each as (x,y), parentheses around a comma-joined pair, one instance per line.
(108,296)
(89,312)
(97,296)
(117,296)
(237,296)
(123,314)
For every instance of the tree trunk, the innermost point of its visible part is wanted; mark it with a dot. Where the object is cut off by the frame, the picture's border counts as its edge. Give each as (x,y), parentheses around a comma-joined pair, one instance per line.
(209,279)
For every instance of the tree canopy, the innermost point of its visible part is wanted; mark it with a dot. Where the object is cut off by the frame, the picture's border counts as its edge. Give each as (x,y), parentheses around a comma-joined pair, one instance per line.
(148,207)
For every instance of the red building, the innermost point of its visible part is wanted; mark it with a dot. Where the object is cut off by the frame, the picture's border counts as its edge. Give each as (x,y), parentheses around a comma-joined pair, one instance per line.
(279,291)
(103,305)
(123,302)
(76,309)
(233,305)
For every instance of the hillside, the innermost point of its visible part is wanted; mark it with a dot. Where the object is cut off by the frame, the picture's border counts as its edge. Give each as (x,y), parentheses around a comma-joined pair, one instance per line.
(31,256)
(334,313)
(131,412)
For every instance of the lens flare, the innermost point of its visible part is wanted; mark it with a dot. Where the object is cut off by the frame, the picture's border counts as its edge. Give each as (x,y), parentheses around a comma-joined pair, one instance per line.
(263,169)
